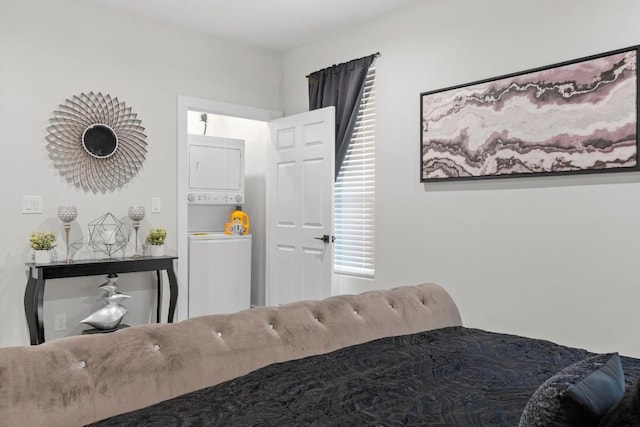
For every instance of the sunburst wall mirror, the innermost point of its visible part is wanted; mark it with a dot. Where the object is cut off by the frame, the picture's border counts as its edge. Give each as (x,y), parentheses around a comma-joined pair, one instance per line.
(96,142)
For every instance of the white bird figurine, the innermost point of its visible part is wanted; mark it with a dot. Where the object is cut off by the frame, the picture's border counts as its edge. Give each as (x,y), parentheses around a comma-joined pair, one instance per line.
(109,316)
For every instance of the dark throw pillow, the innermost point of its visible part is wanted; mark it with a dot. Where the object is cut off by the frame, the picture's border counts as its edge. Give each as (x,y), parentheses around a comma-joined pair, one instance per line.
(579,395)
(627,412)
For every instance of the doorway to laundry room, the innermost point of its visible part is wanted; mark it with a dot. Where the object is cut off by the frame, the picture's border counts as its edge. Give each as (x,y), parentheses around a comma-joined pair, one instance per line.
(289,193)
(204,120)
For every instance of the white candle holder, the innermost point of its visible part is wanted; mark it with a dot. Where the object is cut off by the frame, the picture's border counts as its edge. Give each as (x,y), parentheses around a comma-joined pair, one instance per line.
(66,214)
(136,214)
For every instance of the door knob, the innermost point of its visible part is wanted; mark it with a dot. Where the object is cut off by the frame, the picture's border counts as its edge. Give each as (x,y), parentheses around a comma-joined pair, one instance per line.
(326,238)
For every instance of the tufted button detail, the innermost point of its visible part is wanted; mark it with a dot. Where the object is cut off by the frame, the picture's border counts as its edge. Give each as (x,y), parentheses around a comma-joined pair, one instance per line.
(219,333)
(271,325)
(391,305)
(317,319)
(156,347)
(355,312)
(82,364)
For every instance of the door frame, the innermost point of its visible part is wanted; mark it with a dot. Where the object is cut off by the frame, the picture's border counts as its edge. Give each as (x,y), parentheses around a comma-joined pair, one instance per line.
(184,105)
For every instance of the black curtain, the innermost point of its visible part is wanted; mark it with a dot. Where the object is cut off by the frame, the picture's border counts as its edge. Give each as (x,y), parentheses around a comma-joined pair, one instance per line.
(340,86)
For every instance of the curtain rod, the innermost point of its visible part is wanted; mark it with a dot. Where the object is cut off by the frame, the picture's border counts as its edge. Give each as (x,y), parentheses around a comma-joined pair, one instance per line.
(375,55)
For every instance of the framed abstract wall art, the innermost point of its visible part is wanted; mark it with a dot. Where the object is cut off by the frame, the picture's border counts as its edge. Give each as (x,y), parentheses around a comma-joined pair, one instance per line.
(579,116)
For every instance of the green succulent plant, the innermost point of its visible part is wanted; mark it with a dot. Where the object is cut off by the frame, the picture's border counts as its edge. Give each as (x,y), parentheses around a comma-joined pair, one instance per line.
(42,240)
(156,236)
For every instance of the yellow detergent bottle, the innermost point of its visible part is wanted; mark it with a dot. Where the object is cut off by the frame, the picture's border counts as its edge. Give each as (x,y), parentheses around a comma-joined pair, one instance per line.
(239,223)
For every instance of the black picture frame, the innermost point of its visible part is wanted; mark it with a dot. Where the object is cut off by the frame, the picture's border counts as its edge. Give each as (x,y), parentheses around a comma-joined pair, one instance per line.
(578,116)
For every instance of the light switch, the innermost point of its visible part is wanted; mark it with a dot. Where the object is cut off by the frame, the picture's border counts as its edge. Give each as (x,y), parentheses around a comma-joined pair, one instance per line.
(156,205)
(31,204)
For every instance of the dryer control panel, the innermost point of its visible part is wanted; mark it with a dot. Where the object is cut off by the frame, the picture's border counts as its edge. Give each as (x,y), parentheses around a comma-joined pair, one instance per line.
(217,198)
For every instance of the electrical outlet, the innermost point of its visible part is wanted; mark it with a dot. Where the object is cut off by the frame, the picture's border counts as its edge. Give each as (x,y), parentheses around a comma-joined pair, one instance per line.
(60,322)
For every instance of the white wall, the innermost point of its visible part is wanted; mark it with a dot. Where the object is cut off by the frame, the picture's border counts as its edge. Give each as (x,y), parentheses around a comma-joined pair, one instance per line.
(50,51)
(548,257)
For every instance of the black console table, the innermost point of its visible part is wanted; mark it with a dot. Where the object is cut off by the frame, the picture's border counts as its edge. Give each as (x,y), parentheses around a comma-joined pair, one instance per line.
(39,273)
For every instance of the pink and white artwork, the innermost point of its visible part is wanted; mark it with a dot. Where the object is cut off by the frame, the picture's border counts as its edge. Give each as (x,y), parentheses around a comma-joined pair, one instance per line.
(574,117)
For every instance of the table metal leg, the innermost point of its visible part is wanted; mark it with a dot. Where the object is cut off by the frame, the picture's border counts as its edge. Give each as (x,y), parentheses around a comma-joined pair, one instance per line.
(39,311)
(173,293)
(159,299)
(30,308)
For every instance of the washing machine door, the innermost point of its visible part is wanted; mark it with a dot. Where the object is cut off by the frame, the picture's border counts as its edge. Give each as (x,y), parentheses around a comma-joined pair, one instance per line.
(219,275)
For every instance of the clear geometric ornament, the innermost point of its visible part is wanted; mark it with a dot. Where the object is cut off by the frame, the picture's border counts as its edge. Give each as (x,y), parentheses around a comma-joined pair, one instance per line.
(108,234)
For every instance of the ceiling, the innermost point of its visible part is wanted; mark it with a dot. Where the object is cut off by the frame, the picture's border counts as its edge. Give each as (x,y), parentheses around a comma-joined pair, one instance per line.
(275,24)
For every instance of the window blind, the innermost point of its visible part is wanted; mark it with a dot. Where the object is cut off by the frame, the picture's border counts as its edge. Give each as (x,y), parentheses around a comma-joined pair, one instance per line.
(354,250)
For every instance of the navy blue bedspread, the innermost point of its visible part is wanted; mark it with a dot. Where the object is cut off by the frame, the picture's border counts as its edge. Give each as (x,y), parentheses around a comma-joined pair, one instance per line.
(453,376)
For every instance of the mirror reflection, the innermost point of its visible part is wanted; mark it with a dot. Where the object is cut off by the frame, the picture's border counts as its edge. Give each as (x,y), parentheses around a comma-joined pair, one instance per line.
(100,141)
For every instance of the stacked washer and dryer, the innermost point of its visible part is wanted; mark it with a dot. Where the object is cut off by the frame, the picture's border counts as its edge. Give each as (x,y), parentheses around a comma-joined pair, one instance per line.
(219,264)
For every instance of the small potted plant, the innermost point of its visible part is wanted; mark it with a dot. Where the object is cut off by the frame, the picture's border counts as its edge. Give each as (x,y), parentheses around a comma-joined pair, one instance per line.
(156,238)
(42,242)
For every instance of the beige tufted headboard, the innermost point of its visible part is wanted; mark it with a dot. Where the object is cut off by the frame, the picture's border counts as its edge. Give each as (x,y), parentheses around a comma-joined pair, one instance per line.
(78,380)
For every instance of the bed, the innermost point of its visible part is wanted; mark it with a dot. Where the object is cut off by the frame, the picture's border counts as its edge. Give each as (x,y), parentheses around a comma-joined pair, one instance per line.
(384,358)
(452,376)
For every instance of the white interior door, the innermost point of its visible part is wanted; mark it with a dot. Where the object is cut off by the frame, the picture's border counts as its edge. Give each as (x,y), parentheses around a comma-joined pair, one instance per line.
(300,179)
